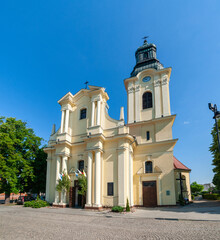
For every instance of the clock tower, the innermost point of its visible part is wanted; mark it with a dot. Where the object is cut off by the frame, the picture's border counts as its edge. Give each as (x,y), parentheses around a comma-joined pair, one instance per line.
(148,86)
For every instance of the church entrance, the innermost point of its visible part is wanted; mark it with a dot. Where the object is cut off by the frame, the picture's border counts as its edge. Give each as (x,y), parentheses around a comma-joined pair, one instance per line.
(149,194)
(75,199)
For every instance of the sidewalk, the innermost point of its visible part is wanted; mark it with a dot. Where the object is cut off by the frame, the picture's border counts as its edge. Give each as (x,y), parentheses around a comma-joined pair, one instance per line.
(197,211)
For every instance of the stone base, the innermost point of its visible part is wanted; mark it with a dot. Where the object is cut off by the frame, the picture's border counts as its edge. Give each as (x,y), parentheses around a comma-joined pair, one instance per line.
(93,207)
(61,205)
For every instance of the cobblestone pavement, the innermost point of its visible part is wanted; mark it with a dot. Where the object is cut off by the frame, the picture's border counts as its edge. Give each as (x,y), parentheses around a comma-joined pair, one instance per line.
(17,222)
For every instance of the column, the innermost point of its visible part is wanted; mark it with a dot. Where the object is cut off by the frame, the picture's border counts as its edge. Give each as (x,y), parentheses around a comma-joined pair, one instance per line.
(98,112)
(131,178)
(67,121)
(57,178)
(137,102)
(121,177)
(165,97)
(62,122)
(64,163)
(48,180)
(89,181)
(157,92)
(97,179)
(160,191)
(93,114)
(64,169)
(130,103)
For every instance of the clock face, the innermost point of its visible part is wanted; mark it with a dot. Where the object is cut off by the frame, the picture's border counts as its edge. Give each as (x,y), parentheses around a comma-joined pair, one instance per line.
(146,79)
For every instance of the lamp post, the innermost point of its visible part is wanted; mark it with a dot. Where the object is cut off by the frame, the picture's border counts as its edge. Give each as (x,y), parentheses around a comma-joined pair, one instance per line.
(216,116)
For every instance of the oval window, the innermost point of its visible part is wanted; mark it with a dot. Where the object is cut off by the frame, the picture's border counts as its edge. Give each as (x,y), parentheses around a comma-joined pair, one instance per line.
(146,79)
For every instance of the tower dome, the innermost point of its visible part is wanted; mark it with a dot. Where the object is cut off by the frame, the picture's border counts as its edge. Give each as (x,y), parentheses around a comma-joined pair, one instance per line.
(146,58)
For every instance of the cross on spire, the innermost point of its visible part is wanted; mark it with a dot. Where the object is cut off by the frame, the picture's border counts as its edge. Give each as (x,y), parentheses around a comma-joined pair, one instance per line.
(86,83)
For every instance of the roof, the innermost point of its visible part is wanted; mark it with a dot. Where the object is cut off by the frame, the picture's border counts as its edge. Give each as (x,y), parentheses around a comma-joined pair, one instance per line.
(178,165)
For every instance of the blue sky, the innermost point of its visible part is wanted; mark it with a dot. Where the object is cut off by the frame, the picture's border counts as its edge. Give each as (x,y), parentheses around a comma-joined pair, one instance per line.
(51,47)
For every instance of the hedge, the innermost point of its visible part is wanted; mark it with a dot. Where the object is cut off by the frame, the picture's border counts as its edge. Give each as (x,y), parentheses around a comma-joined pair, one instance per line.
(214,196)
(36,204)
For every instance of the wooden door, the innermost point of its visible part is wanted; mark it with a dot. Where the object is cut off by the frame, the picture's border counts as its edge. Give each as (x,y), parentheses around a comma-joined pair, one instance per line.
(149,194)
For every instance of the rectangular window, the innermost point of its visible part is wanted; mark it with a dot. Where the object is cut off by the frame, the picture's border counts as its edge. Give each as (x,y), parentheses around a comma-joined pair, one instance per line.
(83,113)
(110,189)
(148,135)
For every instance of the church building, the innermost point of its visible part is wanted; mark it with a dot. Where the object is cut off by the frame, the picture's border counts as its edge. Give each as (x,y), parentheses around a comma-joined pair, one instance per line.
(131,161)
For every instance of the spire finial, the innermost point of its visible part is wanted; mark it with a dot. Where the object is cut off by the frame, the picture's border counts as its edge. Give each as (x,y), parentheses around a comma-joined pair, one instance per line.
(86,84)
(145,38)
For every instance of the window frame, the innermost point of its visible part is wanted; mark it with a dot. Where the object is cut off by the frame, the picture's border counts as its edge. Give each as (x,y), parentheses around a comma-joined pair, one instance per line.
(110,193)
(79,165)
(145,169)
(147,135)
(147,102)
(80,113)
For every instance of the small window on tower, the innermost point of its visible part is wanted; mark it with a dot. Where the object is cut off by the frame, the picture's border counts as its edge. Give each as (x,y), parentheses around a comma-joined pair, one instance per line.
(83,113)
(148,135)
(146,55)
(110,189)
(147,100)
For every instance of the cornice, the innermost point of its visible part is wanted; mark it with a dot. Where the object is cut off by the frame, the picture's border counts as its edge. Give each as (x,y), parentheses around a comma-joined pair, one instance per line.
(170,117)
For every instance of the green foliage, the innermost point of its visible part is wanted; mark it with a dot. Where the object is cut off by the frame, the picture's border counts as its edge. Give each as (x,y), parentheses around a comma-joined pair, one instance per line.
(18,149)
(216,156)
(117,209)
(127,206)
(216,180)
(213,196)
(82,181)
(64,184)
(193,197)
(196,188)
(36,204)
(40,169)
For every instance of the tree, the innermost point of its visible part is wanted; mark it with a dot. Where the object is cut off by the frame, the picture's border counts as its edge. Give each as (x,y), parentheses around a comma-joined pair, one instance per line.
(40,169)
(82,181)
(63,183)
(216,156)
(18,149)
(196,188)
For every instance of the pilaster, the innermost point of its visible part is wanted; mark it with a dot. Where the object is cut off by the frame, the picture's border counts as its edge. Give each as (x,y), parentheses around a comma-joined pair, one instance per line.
(57,178)
(48,180)
(97,179)
(130,92)
(89,180)
(157,92)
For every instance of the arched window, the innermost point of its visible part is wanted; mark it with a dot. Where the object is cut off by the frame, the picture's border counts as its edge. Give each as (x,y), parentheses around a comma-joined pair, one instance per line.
(148,167)
(83,113)
(147,100)
(81,165)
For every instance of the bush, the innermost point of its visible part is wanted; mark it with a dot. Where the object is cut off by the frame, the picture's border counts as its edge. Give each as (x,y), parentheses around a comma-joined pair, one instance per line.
(117,209)
(214,196)
(127,206)
(193,197)
(36,204)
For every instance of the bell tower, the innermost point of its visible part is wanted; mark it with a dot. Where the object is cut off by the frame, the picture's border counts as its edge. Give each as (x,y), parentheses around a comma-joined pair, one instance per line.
(148,86)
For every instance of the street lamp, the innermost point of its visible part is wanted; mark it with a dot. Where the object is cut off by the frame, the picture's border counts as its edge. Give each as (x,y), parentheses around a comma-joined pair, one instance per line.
(216,115)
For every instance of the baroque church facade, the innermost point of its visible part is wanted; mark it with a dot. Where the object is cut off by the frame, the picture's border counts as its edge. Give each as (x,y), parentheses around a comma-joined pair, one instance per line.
(132,160)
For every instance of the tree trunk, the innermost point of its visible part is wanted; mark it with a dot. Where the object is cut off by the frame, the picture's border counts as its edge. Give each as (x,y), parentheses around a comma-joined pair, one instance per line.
(7,198)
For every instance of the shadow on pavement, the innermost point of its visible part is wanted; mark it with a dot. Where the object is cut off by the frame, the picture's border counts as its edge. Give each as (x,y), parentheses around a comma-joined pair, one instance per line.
(203,206)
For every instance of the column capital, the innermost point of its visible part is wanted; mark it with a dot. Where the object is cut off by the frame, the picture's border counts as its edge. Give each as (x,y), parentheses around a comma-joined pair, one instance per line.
(95,149)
